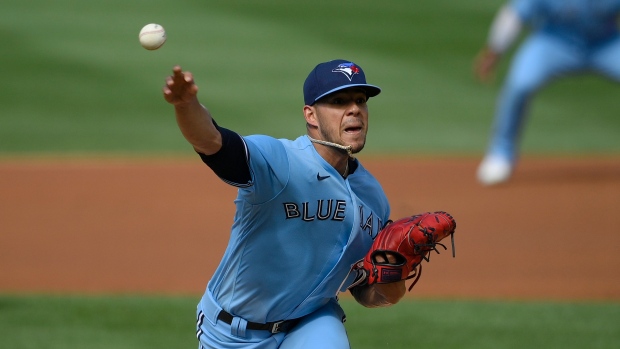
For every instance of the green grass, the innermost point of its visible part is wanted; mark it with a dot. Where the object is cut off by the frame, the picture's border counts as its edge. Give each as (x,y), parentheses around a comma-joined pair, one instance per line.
(76,80)
(67,322)
(96,322)
(485,324)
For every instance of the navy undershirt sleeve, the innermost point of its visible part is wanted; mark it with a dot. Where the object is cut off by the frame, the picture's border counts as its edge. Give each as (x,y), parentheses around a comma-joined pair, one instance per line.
(230,163)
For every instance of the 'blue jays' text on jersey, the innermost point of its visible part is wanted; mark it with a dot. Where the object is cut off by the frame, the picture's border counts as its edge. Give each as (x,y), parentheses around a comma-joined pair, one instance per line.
(583,22)
(298,229)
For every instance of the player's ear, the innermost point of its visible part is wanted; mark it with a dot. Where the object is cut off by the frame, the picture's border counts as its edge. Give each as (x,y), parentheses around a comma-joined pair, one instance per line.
(310,115)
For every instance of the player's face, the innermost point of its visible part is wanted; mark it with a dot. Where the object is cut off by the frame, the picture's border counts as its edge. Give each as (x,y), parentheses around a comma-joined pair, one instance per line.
(342,118)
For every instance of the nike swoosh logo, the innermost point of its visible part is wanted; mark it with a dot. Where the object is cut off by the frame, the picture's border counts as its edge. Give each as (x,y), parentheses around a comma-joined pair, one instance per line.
(320,178)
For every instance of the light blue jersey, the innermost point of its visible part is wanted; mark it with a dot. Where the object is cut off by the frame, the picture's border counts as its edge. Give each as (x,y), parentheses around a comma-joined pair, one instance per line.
(298,229)
(583,22)
(567,37)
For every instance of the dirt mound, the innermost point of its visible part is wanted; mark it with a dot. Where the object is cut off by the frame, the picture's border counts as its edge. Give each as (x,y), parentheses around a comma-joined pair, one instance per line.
(120,226)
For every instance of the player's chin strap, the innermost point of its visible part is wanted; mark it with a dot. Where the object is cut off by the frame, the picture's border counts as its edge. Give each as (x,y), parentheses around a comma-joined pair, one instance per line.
(347,148)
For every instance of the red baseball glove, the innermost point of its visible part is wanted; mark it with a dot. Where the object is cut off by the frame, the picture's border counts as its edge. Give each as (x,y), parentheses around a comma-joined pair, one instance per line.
(408,241)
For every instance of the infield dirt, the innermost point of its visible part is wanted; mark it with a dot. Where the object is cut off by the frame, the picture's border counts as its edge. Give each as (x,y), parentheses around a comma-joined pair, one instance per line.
(161,226)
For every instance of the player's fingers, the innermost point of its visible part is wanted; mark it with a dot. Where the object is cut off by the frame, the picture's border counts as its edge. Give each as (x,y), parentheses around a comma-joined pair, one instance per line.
(178,83)
(193,90)
(188,77)
(386,258)
(169,96)
(179,75)
(177,71)
(178,93)
(391,258)
(482,71)
(170,88)
(182,81)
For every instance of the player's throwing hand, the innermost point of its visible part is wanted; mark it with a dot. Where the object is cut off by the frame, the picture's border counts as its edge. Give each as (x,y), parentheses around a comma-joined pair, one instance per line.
(180,87)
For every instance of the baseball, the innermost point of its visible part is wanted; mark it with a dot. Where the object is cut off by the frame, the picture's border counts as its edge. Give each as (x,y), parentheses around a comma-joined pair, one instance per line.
(152,36)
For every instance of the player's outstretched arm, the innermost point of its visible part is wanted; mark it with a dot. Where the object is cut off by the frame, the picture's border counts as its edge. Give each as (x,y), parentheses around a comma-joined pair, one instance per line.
(504,31)
(485,64)
(193,118)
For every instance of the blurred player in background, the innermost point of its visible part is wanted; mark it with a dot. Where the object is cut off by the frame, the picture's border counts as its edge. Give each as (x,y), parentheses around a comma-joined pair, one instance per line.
(567,36)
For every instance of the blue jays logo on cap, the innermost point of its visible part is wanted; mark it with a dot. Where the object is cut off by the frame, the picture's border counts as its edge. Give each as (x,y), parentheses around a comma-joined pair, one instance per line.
(348,69)
(333,76)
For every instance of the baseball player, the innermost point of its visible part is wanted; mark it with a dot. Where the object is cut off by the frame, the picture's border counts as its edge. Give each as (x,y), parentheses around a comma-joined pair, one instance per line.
(307,212)
(567,36)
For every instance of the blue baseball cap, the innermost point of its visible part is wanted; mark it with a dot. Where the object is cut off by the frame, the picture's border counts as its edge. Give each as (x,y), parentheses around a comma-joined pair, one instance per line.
(336,75)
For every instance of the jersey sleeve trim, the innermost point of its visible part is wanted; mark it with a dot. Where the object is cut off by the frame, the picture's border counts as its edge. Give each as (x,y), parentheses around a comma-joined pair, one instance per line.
(231,162)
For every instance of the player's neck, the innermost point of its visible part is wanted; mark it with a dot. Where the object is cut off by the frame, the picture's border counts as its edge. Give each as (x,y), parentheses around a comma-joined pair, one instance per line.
(335,154)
